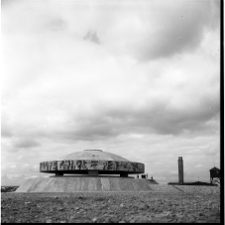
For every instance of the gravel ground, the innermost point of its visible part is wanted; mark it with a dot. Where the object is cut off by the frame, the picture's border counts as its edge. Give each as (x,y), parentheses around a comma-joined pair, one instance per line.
(188,205)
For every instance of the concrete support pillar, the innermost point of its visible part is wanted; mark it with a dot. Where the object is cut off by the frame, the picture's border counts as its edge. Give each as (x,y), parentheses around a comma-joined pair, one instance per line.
(93,172)
(58,174)
(124,175)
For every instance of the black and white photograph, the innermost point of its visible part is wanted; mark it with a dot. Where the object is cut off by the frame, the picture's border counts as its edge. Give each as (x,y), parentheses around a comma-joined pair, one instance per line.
(110,111)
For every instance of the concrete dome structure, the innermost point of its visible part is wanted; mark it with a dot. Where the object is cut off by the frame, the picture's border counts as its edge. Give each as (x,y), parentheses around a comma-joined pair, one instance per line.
(92,162)
(89,170)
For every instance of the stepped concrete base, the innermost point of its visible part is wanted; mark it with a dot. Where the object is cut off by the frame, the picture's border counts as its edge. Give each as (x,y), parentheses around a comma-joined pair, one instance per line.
(76,184)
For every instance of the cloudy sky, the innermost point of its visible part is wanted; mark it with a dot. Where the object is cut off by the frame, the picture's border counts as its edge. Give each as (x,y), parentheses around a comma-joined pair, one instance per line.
(140,79)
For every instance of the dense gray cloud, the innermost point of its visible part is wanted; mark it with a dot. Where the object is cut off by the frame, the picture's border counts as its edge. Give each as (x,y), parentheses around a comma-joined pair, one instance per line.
(26,143)
(146,31)
(6,125)
(160,119)
(92,36)
(6,131)
(180,28)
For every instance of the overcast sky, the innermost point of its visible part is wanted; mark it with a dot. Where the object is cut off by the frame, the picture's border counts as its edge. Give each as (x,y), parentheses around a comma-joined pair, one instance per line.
(140,79)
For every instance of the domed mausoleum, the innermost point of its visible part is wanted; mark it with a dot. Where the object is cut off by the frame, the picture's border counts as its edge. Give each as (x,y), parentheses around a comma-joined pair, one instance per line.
(88,170)
(92,162)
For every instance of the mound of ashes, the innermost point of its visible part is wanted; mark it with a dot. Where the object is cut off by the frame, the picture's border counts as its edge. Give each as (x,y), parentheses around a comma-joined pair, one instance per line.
(92,170)
(75,184)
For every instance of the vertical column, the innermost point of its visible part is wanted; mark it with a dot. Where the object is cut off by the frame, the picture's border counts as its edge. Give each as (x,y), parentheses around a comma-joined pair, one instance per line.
(92,172)
(58,174)
(123,174)
(180,170)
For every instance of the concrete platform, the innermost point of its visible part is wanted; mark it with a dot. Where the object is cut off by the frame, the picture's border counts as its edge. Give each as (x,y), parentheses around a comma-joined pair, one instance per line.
(76,184)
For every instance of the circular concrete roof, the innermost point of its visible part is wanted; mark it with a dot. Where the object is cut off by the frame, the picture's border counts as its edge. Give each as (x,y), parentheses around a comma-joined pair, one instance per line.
(94,154)
(92,161)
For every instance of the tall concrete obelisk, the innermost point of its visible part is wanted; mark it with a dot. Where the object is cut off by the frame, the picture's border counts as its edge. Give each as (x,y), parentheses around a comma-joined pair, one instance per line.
(180,170)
